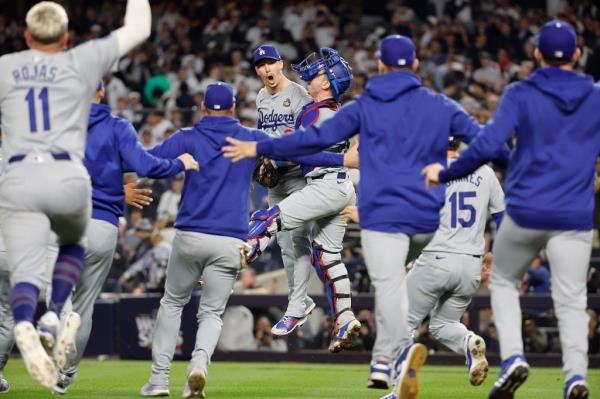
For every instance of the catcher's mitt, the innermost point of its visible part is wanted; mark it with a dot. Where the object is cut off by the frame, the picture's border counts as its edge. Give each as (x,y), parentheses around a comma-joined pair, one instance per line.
(266,172)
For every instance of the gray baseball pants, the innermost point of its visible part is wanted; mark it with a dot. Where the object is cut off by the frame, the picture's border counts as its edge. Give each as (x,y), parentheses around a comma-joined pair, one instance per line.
(443,283)
(385,256)
(36,197)
(217,259)
(101,242)
(295,250)
(569,256)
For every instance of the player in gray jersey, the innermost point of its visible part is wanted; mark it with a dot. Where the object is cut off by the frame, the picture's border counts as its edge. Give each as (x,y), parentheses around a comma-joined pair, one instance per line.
(327,193)
(448,272)
(278,105)
(44,101)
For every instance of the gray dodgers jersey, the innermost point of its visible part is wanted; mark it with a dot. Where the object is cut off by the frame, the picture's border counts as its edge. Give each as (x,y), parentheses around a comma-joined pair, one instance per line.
(45,97)
(324,114)
(465,212)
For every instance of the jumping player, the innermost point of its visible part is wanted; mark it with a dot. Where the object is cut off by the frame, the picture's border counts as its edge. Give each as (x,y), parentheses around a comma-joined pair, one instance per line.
(278,104)
(327,193)
(549,201)
(112,148)
(402,126)
(44,101)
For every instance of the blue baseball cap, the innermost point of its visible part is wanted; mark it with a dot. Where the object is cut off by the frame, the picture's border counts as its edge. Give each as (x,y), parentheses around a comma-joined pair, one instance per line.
(265,52)
(557,40)
(218,96)
(396,50)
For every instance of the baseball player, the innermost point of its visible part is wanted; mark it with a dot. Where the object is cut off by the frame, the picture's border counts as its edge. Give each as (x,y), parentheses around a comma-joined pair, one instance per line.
(447,274)
(278,104)
(549,201)
(44,101)
(402,126)
(112,148)
(211,228)
(327,193)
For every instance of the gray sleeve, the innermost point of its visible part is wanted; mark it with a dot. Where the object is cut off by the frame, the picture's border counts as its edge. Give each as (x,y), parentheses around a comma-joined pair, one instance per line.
(301,98)
(496,193)
(95,58)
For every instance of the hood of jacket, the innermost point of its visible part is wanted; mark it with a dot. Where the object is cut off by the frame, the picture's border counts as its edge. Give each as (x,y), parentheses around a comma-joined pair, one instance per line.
(567,89)
(388,86)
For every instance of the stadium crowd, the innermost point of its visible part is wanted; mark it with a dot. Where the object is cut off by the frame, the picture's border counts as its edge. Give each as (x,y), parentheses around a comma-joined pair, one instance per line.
(469,50)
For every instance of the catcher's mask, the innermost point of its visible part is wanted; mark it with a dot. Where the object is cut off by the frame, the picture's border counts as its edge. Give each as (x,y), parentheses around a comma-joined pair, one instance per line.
(337,69)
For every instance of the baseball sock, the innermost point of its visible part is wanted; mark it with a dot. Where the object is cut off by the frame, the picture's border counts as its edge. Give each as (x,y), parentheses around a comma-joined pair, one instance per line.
(67,270)
(23,301)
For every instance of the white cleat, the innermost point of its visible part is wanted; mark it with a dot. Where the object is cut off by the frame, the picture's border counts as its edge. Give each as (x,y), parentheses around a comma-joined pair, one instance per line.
(66,350)
(64,381)
(150,390)
(47,327)
(407,383)
(476,361)
(38,363)
(194,388)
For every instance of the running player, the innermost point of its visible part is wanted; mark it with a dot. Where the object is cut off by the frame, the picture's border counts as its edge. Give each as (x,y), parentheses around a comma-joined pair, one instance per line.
(44,101)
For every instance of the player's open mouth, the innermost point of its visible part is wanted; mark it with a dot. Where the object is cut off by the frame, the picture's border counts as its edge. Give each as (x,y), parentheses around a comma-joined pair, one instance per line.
(270,78)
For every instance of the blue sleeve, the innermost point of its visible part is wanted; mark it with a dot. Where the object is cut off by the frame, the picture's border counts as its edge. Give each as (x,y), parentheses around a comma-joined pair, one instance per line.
(173,147)
(137,159)
(498,218)
(466,128)
(489,142)
(323,158)
(343,125)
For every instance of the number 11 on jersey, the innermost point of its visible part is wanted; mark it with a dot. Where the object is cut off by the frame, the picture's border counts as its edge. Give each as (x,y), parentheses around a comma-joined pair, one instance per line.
(43,97)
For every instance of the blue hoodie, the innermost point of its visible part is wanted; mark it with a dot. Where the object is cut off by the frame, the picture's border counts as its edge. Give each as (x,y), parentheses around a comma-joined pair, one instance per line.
(113,148)
(216,199)
(403,127)
(555,115)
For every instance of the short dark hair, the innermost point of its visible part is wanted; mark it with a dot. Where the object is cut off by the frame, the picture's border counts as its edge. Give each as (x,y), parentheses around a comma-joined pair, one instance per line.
(453,144)
(557,61)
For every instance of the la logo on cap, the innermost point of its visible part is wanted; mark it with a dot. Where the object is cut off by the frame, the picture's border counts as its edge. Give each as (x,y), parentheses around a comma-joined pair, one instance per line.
(261,51)
(217,106)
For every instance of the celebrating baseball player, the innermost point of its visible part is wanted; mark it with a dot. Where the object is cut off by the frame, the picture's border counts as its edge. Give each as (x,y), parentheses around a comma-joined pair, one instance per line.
(402,127)
(327,193)
(549,201)
(44,101)
(212,227)
(112,149)
(447,273)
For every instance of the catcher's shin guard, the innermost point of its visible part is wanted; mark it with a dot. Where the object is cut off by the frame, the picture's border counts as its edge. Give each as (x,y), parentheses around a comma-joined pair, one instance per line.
(263,225)
(333,273)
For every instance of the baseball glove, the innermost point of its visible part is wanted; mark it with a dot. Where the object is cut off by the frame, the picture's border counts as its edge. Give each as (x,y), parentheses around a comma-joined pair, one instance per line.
(266,172)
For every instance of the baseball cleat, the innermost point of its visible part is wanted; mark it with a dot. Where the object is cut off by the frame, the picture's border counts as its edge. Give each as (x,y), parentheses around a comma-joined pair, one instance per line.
(150,390)
(477,364)
(513,374)
(194,388)
(63,382)
(4,386)
(380,375)
(288,324)
(47,328)
(576,388)
(38,363)
(66,350)
(344,335)
(407,367)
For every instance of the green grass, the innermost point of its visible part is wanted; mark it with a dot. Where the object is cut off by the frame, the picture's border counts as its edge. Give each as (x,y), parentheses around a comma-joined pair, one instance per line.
(123,379)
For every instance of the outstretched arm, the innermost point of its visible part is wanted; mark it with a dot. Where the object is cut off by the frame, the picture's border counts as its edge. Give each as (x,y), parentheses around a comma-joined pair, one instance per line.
(340,127)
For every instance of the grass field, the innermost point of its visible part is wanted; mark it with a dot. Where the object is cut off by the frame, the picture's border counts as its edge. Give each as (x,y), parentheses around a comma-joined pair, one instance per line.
(123,379)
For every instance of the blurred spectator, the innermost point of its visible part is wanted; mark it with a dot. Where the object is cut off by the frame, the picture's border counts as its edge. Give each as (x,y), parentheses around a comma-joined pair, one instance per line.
(593,333)
(264,338)
(538,277)
(535,339)
(169,203)
(249,283)
(143,232)
(366,337)
(148,273)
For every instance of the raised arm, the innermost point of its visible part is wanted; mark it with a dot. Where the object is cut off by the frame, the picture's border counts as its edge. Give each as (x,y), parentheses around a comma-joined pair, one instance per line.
(136,29)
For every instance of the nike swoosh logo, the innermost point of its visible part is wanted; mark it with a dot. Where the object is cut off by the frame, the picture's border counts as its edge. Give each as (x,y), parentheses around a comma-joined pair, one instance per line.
(440,257)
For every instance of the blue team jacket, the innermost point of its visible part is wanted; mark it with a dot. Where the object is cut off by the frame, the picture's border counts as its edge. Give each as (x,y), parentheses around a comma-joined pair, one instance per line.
(113,148)
(216,199)
(555,115)
(402,127)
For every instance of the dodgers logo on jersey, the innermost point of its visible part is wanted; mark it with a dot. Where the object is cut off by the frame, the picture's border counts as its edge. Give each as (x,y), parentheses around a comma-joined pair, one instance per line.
(273,120)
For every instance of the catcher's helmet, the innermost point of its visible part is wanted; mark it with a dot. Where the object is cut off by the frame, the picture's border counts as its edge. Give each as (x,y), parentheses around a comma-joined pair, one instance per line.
(337,69)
